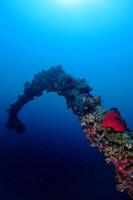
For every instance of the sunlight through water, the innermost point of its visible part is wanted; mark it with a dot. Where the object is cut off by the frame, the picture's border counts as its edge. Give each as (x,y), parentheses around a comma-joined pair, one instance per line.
(70,3)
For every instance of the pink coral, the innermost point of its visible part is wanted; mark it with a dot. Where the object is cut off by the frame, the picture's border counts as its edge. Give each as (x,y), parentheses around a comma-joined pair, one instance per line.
(113,119)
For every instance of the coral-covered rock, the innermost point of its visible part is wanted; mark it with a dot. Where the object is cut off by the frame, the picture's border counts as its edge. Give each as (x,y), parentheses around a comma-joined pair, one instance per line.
(107,132)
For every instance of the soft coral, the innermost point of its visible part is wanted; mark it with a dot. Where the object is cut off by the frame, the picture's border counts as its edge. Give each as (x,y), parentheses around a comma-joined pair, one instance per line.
(113,119)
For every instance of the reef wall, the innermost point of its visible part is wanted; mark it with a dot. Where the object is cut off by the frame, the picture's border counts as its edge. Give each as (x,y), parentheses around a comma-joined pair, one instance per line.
(106,130)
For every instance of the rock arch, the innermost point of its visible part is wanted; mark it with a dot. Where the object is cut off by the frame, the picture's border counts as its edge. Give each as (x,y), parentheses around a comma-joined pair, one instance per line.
(106,130)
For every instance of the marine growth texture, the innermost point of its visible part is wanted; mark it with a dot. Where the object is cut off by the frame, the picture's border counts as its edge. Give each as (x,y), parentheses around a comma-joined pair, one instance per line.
(105,130)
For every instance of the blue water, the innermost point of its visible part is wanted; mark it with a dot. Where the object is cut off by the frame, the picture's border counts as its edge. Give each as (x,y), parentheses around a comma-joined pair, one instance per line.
(53,160)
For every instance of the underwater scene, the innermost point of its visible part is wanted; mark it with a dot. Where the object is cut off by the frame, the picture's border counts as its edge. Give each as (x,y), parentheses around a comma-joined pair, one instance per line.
(66,79)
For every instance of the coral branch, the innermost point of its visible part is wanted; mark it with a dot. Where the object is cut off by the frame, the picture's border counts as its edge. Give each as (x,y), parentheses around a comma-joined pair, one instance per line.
(105,130)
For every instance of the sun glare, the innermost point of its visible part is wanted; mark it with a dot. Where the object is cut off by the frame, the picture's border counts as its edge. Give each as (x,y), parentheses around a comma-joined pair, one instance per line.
(70,3)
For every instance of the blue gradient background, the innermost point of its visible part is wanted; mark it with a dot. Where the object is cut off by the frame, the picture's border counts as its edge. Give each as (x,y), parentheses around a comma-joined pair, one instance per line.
(53,160)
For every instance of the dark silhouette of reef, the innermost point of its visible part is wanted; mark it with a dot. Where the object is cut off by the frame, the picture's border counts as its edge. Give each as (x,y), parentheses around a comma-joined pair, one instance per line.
(106,130)
(53,80)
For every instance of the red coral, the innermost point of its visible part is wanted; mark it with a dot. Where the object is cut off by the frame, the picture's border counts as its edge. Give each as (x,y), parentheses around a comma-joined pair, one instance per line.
(113,119)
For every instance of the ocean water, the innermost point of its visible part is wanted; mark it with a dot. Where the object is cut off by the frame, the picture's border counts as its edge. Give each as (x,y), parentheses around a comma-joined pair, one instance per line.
(53,159)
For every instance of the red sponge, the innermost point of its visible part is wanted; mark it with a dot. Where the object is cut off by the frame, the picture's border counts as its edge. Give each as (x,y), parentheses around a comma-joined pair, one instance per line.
(113,119)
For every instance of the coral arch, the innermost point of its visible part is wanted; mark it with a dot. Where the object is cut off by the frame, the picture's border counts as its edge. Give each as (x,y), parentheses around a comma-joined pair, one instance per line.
(106,131)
